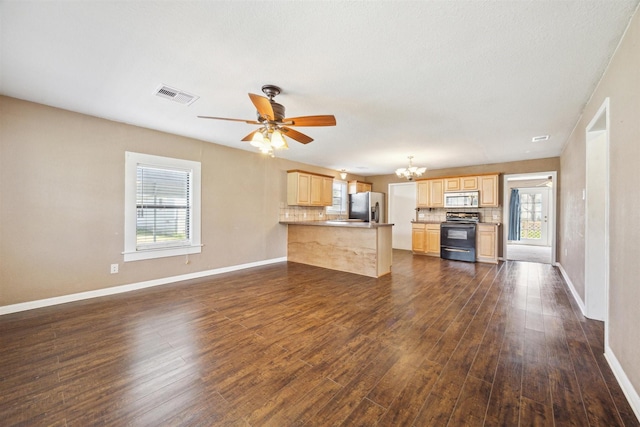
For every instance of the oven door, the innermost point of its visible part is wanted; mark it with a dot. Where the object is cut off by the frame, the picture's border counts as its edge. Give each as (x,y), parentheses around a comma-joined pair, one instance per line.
(458,242)
(458,235)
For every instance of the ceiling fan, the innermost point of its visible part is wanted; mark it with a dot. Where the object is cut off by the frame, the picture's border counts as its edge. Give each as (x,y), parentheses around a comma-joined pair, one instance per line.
(273,123)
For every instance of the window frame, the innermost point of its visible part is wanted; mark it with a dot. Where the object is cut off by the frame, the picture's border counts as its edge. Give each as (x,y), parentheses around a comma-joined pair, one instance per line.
(131,250)
(343,201)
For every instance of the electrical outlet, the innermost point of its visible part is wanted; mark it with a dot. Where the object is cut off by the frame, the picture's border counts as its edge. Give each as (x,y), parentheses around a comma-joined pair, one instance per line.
(114,268)
(565,251)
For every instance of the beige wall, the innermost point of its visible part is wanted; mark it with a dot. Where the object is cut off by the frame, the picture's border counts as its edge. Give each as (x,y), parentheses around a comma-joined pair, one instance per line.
(62,203)
(621,83)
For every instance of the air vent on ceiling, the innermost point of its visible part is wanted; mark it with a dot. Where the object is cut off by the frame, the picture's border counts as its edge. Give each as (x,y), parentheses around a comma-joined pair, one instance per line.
(176,95)
(539,138)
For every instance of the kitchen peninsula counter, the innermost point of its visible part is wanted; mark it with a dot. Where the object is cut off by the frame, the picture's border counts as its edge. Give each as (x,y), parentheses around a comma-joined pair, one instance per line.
(354,247)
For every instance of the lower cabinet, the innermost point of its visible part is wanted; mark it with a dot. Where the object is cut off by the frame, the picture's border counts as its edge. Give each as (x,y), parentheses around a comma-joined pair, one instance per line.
(425,239)
(487,243)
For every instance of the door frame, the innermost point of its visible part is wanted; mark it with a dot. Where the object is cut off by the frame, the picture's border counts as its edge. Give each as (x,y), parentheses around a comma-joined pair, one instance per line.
(545,198)
(596,291)
(553,211)
(391,205)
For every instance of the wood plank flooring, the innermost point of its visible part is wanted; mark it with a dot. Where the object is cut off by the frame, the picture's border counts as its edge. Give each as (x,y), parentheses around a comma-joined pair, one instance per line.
(436,343)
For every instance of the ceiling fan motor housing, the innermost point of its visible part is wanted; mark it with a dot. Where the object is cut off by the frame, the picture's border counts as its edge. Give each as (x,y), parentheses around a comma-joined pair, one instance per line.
(278,109)
(278,112)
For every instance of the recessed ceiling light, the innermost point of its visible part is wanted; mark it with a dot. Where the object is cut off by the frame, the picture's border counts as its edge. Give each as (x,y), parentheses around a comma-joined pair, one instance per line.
(540,138)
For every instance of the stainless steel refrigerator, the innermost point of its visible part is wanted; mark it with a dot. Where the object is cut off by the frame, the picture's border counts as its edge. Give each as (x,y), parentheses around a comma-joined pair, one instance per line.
(368,206)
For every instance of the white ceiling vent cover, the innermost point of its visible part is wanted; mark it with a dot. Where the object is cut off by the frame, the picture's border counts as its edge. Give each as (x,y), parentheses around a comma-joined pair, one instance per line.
(540,138)
(164,91)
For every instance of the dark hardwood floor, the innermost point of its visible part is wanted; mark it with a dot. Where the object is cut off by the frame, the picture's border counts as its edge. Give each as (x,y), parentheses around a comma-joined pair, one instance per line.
(435,343)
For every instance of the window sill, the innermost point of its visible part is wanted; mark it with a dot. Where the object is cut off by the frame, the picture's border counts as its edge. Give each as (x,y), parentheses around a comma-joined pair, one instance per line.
(161,253)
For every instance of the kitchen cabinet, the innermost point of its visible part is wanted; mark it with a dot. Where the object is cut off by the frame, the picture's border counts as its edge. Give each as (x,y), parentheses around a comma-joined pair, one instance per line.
(432,239)
(422,188)
(430,193)
(488,186)
(452,184)
(327,191)
(436,193)
(358,187)
(309,189)
(417,238)
(487,243)
(463,183)
(425,239)
(468,183)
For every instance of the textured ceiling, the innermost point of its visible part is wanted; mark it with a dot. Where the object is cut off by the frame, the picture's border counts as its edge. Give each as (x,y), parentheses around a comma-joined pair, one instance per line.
(453,83)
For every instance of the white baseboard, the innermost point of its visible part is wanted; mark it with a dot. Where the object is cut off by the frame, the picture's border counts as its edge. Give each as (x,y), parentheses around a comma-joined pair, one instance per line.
(575,294)
(30,305)
(623,380)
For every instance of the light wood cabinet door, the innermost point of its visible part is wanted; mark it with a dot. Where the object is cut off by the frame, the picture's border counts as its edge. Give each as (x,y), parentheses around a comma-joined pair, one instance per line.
(327,191)
(452,184)
(417,238)
(436,193)
(316,190)
(488,186)
(298,189)
(487,243)
(432,239)
(307,189)
(422,188)
(469,183)
(358,187)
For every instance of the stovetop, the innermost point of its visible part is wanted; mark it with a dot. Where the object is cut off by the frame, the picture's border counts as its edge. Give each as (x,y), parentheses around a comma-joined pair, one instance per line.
(465,217)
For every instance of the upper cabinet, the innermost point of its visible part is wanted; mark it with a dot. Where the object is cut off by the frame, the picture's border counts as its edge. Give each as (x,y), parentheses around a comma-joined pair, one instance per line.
(309,189)
(463,183)
(430,192)
(488,186)
(359,187)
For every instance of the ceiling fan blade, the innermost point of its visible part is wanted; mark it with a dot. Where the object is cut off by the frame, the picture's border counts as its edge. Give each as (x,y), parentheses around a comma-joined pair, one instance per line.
(263,105)
(328,120)
(250,136)
(294,134)
(251,122)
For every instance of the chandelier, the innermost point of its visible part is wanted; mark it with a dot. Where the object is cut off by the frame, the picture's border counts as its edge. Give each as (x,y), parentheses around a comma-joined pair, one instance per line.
(411,172)
(269,139)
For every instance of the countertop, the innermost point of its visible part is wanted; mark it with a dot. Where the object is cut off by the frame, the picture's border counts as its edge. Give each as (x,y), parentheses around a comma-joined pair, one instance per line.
(338,223)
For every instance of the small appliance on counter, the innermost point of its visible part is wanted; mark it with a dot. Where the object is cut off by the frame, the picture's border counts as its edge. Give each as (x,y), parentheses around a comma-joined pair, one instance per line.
(367,206)
(458,236)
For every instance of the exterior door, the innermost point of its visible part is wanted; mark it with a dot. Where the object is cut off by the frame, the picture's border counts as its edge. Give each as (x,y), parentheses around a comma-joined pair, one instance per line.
(534,216)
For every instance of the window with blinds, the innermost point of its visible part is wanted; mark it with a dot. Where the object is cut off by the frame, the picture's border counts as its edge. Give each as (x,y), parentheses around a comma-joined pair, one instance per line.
(163,207)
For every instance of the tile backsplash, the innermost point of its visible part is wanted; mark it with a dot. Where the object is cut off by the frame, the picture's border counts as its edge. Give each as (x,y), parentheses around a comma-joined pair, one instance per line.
(317,213)
(493,215)
(303,213)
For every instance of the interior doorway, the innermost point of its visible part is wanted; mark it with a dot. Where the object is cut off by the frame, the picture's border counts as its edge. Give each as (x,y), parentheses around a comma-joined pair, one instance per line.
(402,210)
(596,239)
(529,217)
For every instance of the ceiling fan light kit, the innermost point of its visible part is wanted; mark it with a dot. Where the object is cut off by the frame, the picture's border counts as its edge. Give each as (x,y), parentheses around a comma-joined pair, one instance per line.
(274,125)
(411,172)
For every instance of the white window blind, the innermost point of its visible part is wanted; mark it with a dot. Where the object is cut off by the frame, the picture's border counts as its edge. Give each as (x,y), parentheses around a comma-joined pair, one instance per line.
(163,204)
(162,207)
